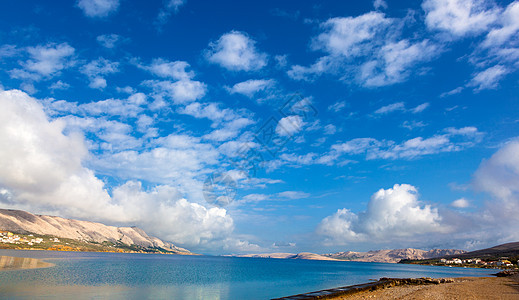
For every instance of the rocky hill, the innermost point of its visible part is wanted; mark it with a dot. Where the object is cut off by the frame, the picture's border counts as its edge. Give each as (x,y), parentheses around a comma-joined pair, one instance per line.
(24,222)
(392,256)
(302,255)
(386,256)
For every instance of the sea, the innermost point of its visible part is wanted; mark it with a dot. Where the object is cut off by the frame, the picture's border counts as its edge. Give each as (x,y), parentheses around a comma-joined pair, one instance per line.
(88,275)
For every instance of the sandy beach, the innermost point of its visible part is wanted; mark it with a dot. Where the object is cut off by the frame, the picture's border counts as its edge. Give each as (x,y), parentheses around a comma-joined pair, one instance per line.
(461,288)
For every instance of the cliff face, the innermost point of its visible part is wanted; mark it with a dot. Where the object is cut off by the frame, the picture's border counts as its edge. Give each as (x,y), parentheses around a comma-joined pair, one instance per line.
(25,222)
(393,256)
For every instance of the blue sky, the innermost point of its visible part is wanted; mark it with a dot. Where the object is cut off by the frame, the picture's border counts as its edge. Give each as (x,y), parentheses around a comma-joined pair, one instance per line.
(266,126)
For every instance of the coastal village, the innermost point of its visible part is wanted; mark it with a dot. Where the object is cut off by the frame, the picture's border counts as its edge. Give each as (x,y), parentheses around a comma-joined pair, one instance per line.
(8,237)
(502,263)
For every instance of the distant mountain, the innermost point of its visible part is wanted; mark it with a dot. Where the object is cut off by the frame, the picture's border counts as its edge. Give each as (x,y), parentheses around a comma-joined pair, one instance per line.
(302,255)
(386,256)
(392,256)
(496,252)
(24,222)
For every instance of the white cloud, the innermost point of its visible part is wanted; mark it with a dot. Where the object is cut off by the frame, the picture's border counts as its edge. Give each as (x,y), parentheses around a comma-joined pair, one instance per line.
(164,212)
(400,106)
(236,51)
(8,51)
(109,40)
(460,203)
(170,7)
(98,8)
(28,87)
(499,175)
(59,85)
(96,69)
(451,141)
(377,4)
(228,123)
(420,108)
(330,129)
(394,213)
(509,21)
(169,69)
(413,124)
(289,126)
(391,108)
(250,87)
(293,195)
(130,107)
(350,36)
(46,61)
(488,78)
(50,177)
(366,49)
(459,17)
(47,175)
(338,106)
(394,61)
(180,92)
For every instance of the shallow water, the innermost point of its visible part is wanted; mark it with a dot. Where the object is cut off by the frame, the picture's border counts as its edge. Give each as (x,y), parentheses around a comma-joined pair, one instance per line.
(82,275)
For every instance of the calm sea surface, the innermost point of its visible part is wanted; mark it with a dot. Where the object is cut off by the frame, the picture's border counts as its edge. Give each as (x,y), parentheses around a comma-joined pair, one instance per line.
(154,276)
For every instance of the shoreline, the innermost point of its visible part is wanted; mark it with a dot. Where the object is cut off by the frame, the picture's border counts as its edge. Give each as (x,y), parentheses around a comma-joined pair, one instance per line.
(503,286)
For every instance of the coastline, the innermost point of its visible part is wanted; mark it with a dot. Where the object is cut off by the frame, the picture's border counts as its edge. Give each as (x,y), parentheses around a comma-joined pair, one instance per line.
(501,287)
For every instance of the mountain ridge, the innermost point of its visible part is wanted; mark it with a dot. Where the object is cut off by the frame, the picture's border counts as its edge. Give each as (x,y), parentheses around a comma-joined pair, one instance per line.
(20,221)
(385,256)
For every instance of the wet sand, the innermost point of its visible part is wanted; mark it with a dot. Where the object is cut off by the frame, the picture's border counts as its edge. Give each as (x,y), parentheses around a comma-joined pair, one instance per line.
(16,263)
(463,288)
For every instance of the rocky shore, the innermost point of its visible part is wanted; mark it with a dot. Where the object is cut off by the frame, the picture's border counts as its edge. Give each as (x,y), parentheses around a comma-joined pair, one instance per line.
(505,286)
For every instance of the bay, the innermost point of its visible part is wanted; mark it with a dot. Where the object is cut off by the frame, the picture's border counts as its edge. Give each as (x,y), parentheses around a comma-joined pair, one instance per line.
(87,275)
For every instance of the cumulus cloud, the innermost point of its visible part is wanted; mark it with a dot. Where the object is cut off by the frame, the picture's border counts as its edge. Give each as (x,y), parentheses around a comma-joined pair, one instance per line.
(179,92)
(169,69)
(43,174)
(509,21)
(350,36)
(45,61)
(97,69)
(250,87)
(227,122)
(59,85)
(236,51)
(172,217)
(98,8)
(394,213)
(394,61)
(366,49)
(459,17)
(499,175)
(50,177)
(289,126)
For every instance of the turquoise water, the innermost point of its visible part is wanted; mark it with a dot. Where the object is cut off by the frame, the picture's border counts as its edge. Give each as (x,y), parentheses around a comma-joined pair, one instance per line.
(154,276)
